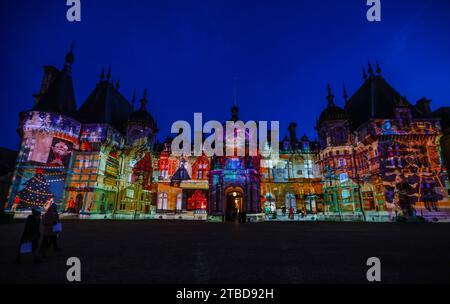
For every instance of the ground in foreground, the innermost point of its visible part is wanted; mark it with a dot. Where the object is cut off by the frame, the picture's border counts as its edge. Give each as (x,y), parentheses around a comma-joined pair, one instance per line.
(188,252)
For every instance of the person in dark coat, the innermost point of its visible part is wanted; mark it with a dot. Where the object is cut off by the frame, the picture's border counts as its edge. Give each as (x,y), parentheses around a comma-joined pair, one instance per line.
(31,234)
(48,220)
(54,236)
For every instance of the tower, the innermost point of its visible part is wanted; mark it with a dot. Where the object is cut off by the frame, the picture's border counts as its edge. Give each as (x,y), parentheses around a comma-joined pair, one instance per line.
(141,125)
(49,135)
(333,125)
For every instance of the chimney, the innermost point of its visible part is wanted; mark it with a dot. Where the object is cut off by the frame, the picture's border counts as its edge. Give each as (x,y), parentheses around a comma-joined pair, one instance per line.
(292,134)
(50,74)
(423,105)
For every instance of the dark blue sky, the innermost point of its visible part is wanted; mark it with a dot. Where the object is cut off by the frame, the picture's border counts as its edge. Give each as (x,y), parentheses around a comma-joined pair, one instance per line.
(187,53)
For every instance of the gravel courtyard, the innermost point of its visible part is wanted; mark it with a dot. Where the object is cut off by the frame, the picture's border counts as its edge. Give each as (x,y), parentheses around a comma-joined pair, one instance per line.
(188,252)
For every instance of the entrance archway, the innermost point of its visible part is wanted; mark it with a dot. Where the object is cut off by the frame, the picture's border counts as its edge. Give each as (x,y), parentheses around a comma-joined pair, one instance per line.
(234,204)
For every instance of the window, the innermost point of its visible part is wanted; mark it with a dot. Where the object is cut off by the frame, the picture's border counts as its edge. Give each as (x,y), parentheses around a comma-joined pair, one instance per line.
(200,169)
(179,202)
(163,174)
(345,194)
(162,201)
(341,162)
(130,193)
(290,201)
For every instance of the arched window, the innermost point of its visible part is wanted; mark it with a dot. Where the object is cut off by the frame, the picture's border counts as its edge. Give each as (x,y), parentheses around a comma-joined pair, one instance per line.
(180,201)
(162,201)
(290,201)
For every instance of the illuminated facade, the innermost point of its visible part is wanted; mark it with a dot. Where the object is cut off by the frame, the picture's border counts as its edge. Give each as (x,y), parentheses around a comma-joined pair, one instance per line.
(103,161)
(291,185)
(380,155)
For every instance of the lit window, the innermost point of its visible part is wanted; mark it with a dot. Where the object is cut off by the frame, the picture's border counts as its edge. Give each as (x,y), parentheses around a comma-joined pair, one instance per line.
(179,201)
(162,201)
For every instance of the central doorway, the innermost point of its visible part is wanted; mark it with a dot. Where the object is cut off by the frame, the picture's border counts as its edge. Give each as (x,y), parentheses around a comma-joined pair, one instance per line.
(234,205)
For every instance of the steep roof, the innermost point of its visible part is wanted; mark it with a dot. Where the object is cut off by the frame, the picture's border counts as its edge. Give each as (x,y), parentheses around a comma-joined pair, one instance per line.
(376,98)
(106,105)
(181,174)
(60,95)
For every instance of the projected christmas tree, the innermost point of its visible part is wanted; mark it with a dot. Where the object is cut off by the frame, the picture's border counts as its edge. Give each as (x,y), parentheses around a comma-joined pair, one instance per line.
(36,192)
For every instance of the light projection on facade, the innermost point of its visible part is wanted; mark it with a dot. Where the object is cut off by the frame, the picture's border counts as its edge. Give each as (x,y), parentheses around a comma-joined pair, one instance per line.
(370,163)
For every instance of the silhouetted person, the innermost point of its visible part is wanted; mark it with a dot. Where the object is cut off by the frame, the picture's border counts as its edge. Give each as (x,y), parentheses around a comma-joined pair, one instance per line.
(55,234)
(49,219)
(31,234)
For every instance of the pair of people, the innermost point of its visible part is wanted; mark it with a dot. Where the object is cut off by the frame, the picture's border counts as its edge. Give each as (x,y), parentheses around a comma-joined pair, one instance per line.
(37,227)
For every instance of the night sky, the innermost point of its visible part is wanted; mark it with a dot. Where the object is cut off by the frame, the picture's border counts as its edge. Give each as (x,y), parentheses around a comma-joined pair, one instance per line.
(187,53)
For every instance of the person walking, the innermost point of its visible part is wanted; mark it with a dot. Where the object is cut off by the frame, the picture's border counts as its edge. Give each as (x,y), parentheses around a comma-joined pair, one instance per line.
(31,235)
(47,222)
(56,228)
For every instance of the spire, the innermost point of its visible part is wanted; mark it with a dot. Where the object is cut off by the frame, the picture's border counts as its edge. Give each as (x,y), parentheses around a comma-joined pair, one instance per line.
(345,93)
(144,101)
(293,134)
(108,76)
(70,57)
(59,96)
(102,75)
(234,113)
(378,70)
(330,97)
(234,108)
(118,84)
(133,99)
(365,74)
(371,73)
(235,91)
